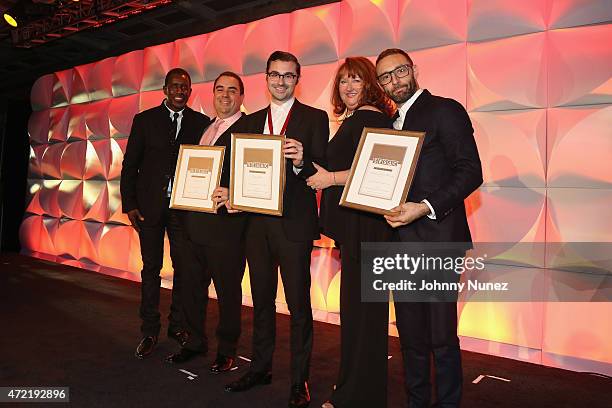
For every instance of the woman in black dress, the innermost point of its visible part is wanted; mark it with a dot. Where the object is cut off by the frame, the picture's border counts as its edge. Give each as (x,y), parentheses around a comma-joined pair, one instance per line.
(360,102)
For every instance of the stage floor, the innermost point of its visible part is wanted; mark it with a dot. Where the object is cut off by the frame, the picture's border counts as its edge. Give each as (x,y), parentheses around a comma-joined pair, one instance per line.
(63,326)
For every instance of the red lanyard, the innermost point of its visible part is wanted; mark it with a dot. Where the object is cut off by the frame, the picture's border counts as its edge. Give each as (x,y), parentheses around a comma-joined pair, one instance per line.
(271,127)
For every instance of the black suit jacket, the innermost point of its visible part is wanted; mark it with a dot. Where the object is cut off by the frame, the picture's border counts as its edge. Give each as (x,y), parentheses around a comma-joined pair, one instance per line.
(221,229)
(150,158)
(448,170)
(311,127)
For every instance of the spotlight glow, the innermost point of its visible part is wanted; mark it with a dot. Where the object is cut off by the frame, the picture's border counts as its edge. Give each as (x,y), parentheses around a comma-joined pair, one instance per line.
(10,20)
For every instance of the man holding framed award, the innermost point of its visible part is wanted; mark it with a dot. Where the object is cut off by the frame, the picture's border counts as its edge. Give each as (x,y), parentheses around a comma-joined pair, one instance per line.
(448,171)
(215,250)
(285,240)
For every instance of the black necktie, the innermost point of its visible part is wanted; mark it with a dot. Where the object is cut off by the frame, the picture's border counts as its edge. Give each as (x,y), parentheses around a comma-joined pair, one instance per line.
(174,126)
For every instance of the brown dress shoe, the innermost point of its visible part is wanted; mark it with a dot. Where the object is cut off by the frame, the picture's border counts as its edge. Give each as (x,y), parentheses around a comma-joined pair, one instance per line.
(146,346)
(222,364)
(300,397)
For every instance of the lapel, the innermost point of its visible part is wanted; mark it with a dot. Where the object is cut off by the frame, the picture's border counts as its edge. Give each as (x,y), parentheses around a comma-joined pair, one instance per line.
(258,120)
(295,122)
(418,110)
(185,126)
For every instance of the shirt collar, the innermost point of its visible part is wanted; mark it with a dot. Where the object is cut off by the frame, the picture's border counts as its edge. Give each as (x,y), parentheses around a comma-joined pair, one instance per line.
(230,119)
(180,116)
(283,107)
(404,108)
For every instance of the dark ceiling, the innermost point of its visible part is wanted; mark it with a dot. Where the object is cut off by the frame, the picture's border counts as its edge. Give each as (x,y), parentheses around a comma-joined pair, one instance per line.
(20,67)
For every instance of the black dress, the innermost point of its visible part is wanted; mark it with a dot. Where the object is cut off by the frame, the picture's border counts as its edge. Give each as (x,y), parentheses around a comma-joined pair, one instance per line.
(362,379)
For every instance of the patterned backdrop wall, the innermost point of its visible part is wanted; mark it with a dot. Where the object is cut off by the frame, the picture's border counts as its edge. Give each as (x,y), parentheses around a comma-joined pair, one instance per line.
(534,75)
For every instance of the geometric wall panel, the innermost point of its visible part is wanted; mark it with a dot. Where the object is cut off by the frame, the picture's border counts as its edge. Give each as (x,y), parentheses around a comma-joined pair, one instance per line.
(512,147)
(99,82)
(261,39)
(579,215)
(127,73)
(580,66)
(157,60)
(442,70)
(120,114)
(582,341)
(62,88)
(314,34)
(80,77)
(567,128)
(40,96)
(495,68)
(361,35)
(423,26)
(218,57)
(508,214)
(38,127)
(489,19)
(189,55)
(572,13)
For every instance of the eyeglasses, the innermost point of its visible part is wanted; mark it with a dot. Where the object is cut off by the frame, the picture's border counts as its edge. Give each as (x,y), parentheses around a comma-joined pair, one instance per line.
(399,72)
(288,77)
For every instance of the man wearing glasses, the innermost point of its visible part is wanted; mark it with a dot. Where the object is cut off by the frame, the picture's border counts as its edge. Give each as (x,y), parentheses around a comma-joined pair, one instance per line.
(285,241)
(448,171)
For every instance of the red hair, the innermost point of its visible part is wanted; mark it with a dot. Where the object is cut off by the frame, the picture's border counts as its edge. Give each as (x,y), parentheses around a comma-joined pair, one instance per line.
(372,94)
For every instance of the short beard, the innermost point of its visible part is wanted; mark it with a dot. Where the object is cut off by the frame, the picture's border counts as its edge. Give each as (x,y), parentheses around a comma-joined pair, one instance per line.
(400,99)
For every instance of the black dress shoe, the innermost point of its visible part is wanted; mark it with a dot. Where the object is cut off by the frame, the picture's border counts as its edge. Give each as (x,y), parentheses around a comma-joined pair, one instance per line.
(181,336)
(248,381)
(146,346)
(222,364)
(183,356)
(300,397)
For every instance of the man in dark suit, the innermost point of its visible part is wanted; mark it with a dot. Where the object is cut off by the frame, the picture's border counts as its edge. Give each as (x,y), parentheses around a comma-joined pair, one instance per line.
(286,241)
(146,183)
(215,249)
(448,171)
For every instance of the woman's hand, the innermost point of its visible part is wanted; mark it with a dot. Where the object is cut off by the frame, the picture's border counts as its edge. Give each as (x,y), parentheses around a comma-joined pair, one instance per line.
(321,179)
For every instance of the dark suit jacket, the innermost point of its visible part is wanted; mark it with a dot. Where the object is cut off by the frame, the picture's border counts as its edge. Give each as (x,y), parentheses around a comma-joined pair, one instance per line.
(150,158)
(221,229)
(448,170)
(311,127)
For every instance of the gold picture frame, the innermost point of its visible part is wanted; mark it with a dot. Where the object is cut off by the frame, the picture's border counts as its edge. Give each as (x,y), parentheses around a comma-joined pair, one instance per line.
(382,170)
(197,175)
(260,188)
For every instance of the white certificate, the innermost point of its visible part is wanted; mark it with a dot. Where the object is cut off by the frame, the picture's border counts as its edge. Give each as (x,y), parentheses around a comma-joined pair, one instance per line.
(257,178)
(382,170)
(198,173)
(197,183)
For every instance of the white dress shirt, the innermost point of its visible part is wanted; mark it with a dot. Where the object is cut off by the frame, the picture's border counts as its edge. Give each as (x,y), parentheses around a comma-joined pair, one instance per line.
(178,129)
(279,115)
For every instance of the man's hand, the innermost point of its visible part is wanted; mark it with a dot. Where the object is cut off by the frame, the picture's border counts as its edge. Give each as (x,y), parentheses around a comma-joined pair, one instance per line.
(220,196)
(406,213)
(294,150)
(135,217)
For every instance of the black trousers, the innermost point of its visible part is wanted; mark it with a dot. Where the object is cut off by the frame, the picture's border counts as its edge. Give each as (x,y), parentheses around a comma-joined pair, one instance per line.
(267,248)
(364,327)
(152,251)
(225,267)
(426,330)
